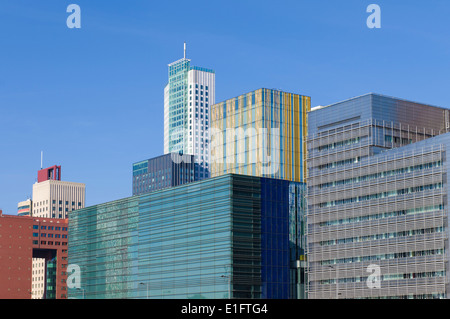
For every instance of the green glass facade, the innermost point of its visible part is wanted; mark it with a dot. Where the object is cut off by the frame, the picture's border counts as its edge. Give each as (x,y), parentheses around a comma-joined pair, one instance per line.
(178,84)
(229,235)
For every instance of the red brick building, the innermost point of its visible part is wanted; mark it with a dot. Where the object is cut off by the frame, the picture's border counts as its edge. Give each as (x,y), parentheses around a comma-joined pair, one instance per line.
(23,238)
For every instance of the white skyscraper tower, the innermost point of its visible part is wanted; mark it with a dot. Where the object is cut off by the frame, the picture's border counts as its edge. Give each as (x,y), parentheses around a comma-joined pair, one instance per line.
(188,96)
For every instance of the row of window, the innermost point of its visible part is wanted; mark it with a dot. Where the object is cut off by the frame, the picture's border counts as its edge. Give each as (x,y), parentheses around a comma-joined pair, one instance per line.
(54,202)
(358,259)
(201,87)
(340,163)
(50,235)
(201,97)
(430,274)
(412,296)
(403,191)
(51,243)
(389,173)
(331,146)
(404,212)
(406,233)
(50,227)
(397,140)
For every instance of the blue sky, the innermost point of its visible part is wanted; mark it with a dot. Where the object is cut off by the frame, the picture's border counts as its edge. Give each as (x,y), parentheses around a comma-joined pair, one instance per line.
(92,98)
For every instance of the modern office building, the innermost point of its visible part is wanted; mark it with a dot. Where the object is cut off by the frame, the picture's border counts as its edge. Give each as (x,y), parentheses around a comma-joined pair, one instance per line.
(164,171)
(53,198)
(261,133)
(24,238)
(377,197)
(188,95)
(24,208)
(231,236)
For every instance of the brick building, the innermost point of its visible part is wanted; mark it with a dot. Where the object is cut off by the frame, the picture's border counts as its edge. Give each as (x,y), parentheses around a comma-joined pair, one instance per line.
(23,238)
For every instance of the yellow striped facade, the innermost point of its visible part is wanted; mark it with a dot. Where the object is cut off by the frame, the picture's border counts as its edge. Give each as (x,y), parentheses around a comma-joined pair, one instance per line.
(244,137)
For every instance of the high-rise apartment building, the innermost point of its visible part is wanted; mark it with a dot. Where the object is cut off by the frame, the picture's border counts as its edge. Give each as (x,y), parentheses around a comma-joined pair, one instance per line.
(188,95)
(377,199)
(261,133)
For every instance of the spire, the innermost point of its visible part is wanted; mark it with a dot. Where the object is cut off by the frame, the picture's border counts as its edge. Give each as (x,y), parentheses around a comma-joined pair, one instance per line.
(185,50)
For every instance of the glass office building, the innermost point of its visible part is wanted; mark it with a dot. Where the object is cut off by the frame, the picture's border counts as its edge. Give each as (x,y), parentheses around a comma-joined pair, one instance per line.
(230,236)
(261,133)
(377,195)
(188,95)
(165,171)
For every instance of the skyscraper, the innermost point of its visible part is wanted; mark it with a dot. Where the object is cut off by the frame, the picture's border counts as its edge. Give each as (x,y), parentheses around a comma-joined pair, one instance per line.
(52,198)
(188,95)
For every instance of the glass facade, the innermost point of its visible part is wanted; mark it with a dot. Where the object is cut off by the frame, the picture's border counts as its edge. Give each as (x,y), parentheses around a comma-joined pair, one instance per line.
(222,237)
(377,199)
(187,98)
(261,133)
(50,287)
(165,171)
(178,89)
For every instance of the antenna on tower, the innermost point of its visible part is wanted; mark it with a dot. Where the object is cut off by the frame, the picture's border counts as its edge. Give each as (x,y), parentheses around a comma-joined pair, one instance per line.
(185,50)
(42,157)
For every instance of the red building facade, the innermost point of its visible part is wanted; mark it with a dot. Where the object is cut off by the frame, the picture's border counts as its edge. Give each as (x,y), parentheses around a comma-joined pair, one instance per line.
(23,238)
(50,173)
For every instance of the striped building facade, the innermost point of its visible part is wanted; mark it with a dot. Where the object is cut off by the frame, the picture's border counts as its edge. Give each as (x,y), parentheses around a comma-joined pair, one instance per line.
(261,133)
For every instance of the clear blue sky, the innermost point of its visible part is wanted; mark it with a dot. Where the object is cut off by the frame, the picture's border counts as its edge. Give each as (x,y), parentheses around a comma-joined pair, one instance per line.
(92,98)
